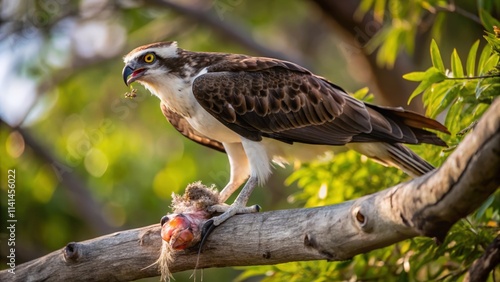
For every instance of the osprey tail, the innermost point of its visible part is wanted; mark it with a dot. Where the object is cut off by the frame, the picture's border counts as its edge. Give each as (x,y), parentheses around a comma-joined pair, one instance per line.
(396,155)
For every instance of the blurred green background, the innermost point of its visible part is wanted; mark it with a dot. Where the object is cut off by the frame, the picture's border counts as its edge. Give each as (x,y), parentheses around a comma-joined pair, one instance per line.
(90,161)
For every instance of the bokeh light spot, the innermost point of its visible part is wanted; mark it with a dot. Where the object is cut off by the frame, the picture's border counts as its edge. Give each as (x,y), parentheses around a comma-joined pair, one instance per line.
(96,162)
(44,184)
(15,144)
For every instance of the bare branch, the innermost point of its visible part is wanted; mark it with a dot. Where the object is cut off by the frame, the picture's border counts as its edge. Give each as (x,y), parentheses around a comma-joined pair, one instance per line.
(453,8)
(481,268)
(428,206)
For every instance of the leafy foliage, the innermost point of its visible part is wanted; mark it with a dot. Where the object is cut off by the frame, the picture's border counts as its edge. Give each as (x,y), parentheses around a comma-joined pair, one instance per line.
(404,21)
(465,94)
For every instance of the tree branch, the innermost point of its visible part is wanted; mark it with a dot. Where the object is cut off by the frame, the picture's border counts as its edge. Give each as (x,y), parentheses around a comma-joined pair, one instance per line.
(481,268)
(425,206)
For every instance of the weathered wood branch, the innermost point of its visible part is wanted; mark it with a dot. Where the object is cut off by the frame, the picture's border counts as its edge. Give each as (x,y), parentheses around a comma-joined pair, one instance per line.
(426,206)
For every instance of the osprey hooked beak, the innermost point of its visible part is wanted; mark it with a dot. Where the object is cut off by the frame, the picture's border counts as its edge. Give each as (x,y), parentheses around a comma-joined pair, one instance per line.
(130,73)
(137,67)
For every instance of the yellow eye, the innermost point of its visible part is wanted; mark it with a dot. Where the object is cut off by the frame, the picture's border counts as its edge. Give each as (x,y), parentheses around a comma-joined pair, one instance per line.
(149,58)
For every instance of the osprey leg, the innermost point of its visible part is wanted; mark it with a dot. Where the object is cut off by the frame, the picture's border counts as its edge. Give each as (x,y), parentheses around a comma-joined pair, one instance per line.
(238,206)
(240,169)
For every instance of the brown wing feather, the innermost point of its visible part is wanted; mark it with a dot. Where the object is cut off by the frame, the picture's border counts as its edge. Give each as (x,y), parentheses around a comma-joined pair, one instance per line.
(259,97)
(185,129)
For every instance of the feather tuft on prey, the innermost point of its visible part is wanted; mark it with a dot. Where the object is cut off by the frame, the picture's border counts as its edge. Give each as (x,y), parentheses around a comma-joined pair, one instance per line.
(182,229)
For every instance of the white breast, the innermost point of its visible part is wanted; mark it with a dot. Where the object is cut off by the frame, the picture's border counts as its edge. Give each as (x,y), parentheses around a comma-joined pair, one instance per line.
(177,95)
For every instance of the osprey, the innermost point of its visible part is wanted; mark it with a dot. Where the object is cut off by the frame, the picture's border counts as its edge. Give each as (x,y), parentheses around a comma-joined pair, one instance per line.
(258,110)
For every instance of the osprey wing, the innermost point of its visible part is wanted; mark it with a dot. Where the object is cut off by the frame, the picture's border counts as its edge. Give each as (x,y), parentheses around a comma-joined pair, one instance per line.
(261,97)
(185,129)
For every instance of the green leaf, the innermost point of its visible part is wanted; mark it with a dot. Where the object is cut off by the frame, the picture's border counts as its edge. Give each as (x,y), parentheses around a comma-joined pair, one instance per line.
(437,61)
(378,39)
(379,10)
(449,97)
(428,6)
(363,8)
(453,115)
(480,212)
(397,9)
(437,26)
(485,4)
(487,89)
(435,94)
(456,65)
(494,41)
(415,76)
(432,75)
(485,54)
(471,59)
(491,63)
(390,47)
(481,88)
(421,87)
(479,111)
(488,20)
(362,94)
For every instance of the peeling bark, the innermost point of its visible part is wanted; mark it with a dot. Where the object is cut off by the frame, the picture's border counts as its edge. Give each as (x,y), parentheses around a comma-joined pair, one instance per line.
(425,206)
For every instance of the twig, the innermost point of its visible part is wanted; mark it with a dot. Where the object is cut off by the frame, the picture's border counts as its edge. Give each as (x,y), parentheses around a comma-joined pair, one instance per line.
(474,77)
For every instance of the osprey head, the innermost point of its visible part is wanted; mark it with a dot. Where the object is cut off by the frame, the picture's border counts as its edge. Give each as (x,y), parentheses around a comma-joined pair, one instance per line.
(146,63)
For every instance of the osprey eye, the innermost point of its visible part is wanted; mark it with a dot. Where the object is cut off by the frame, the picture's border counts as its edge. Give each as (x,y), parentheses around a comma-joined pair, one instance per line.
(149,58)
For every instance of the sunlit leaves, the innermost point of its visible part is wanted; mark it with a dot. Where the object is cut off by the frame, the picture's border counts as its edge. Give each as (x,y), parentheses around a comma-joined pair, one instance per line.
(377,6)
(465,96)
(437,62)
(427,78)
(400,22)
(389,39)
(485,55)
(485,206)
(471,59)
(346,176)
(457,90)
(456,65)
(488,20)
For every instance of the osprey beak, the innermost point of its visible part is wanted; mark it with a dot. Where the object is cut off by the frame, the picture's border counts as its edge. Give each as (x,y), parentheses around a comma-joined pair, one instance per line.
(130,74)
(126,72)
